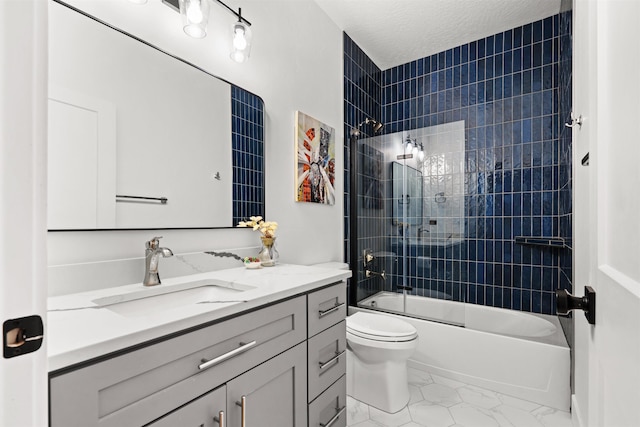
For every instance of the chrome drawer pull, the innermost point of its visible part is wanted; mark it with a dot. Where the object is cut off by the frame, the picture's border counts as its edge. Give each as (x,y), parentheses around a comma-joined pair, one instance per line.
(209,363)
(332,360)
(220,419)
(335,417)
(322,313)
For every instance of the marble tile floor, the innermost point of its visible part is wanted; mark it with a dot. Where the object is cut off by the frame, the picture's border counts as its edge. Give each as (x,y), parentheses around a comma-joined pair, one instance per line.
(441,402)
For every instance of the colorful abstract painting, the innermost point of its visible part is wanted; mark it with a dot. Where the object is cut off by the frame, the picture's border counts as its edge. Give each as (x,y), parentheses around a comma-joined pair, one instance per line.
(316,162)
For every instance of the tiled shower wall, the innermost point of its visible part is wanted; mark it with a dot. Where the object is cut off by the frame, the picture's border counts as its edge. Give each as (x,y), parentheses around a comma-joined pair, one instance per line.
(362,96)
(565,184)
(507,88)
(247,151)
(565,206)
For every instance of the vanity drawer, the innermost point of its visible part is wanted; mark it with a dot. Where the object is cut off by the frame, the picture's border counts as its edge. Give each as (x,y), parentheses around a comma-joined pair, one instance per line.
(327,358)
(330,408)
(326,307)
(138,387)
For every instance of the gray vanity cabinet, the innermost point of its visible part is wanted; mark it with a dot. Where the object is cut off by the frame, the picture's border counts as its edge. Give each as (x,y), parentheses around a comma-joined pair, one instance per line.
(162,379)
(267,364)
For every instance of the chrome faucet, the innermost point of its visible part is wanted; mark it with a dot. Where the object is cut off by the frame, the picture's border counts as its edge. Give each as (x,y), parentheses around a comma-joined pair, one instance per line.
(151,260)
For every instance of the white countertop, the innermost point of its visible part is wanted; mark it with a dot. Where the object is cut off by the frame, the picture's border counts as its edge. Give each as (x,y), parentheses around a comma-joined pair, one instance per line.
(78,329)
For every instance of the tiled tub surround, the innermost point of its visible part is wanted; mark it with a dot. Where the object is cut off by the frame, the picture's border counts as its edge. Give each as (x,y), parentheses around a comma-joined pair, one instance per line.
(491,349)
(441,402)
(506,90)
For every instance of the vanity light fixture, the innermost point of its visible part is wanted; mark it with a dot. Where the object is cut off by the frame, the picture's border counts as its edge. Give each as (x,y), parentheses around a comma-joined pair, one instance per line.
(195,16)
(416,148)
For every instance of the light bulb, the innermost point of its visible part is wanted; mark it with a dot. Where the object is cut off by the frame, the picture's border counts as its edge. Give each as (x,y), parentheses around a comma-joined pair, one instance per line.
(414,150)
(194,12)
(239,41)
(421,155)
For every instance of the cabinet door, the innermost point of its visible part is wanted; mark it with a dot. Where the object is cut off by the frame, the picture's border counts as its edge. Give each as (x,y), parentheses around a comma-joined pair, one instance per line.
(275,393)
(202,412)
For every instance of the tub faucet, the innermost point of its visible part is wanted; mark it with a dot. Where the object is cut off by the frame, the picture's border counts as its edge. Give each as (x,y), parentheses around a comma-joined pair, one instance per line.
(151,260)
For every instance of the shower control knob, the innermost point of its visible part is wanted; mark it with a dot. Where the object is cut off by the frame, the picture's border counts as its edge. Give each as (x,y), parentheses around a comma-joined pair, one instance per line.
(565,302)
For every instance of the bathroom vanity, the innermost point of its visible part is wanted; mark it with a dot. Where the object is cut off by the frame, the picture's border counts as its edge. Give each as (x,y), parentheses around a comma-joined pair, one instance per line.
(229,348)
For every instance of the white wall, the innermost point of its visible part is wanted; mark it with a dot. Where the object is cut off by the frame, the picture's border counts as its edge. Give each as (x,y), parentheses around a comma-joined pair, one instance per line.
(295,64)
(23,144)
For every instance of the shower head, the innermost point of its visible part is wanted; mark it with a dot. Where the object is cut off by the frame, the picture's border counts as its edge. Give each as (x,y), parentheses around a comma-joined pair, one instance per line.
(376,125)
(373,122)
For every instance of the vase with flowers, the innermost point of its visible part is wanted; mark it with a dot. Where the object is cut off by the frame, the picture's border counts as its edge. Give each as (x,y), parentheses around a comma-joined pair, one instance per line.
(268,254)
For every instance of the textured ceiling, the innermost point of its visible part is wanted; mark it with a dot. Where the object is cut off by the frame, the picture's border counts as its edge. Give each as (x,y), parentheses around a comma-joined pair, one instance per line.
(393,32)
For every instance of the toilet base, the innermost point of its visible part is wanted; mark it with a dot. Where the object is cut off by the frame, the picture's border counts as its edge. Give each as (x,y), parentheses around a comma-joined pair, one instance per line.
(381,385)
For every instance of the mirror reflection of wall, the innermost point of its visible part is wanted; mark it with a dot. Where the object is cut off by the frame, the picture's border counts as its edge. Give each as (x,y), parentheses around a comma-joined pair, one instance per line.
(444,186)
(128,119)
(428,194)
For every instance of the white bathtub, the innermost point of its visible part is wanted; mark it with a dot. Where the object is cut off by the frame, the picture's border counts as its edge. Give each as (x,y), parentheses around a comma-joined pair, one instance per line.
(520,354)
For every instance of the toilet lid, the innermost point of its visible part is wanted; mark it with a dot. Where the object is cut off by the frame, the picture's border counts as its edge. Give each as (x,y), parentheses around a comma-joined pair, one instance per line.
(379,327)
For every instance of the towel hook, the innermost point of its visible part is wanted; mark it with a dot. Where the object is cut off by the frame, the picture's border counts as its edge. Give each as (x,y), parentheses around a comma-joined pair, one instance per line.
(574,121)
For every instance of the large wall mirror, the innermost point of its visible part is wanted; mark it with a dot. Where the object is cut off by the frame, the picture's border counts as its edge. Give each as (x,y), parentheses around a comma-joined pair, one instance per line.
(140,139)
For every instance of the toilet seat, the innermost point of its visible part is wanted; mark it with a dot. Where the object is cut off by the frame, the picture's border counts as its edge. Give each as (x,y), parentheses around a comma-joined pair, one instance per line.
(378,327)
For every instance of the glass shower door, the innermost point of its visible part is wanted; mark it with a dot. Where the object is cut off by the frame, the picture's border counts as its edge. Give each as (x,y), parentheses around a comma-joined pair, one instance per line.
(413,230)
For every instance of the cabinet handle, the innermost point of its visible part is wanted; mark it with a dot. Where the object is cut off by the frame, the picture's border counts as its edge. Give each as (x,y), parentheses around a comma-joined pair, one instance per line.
(322,313)
(332,360)
(243,407)
(220,419)
(209,363)
(335,417)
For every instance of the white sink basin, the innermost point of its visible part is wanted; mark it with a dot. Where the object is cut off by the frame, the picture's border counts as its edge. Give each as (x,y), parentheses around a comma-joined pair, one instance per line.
(160,299)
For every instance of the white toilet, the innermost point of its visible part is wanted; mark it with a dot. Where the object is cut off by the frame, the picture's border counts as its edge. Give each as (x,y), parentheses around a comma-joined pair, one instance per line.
(378,348)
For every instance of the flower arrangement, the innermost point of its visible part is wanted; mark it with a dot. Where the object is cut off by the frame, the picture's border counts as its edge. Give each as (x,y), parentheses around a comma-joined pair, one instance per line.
(266,228)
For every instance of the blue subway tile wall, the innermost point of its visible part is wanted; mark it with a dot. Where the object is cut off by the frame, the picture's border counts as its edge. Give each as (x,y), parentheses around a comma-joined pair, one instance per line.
(565,208)
(362,100)
(565,184)
(513,91)
(247,138)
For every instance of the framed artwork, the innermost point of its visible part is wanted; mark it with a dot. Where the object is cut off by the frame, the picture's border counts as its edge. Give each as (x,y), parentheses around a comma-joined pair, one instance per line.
(315,161)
